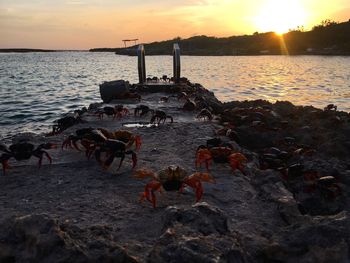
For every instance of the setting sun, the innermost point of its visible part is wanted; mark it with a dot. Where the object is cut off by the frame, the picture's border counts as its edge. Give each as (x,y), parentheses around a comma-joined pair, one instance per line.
(280,16)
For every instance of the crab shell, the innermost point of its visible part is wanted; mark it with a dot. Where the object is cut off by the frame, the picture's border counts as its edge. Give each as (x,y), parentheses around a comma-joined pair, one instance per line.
(172,177)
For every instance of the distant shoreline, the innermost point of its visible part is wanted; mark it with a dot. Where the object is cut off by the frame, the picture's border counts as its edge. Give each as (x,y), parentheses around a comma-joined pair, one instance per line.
(120,51)
(32,50)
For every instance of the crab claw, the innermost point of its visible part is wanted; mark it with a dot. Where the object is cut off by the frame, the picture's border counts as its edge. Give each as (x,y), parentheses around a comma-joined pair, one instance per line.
(204,177)
(237,161)
(143,173)
(203,156)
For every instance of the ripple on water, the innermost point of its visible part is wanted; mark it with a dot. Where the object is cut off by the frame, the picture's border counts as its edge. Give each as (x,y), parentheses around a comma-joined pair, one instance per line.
(41,87)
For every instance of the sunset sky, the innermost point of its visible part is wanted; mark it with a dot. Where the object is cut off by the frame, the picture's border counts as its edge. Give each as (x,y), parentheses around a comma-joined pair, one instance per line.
(84,24)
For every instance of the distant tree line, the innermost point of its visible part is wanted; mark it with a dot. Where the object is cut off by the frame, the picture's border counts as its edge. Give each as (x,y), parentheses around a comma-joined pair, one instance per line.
(327,38)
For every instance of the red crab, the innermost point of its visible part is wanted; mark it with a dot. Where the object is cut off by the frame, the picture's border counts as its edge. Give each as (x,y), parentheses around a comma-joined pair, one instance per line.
(172,178)
(221,154)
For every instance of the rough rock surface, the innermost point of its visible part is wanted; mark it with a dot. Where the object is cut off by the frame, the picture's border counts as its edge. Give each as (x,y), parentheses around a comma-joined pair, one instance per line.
(73,210)
(39,238)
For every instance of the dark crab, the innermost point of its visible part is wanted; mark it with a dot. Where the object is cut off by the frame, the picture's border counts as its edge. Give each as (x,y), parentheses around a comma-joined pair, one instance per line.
(159,116)
(65,123)
(88,137)
(330,107)
(141,110)
(117,111)
(205,114)
(113,148)
(23,150)
(172,178)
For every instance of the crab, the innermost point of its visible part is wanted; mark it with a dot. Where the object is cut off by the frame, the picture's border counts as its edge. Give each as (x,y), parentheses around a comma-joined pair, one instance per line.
(142,110)
(116,111)
(205,114)
(159,116)
(88,137)
(127,137)
(164,98)
(327,186)
(165,78)
(113,148)
(172,178)
(330,107)
(64,123)
(23,150)
(182,96)
(94,140)
(220,153)
(189,105)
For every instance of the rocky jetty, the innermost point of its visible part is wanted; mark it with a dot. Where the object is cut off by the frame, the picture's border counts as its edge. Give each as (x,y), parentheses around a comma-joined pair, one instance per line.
(287,203)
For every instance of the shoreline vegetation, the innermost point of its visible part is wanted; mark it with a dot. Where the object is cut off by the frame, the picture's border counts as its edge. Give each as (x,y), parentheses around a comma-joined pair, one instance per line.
(327,38)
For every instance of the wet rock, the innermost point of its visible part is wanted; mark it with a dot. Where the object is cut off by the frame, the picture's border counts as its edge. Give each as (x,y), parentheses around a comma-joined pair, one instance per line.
(39,238)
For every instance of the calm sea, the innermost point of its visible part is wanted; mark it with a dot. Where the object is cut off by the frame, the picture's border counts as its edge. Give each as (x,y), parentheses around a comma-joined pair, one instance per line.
(36,88)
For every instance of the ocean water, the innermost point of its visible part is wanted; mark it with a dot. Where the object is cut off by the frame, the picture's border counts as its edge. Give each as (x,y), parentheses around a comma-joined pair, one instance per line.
(37,88)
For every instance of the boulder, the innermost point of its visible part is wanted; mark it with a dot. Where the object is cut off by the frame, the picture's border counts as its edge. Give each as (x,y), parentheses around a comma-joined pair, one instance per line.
(113,90)
(39,238)
(197,234)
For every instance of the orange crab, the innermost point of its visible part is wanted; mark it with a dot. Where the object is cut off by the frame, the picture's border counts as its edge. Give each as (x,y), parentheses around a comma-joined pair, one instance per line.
(221,154)
(172,178)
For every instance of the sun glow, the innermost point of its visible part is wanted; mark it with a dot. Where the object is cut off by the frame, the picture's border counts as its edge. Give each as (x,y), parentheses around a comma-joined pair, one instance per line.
(280,16)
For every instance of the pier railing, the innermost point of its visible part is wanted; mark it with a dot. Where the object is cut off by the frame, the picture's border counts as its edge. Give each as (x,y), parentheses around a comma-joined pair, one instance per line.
(141,64)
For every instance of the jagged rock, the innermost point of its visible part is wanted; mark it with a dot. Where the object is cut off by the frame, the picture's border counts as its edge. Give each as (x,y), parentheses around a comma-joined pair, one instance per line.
(39,238)
(271,188)
(197,234)
(201,217)
(322,240)
(196,249)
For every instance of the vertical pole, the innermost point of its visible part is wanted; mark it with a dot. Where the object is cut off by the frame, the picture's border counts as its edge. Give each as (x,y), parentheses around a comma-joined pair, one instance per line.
(176,63)
(141,65)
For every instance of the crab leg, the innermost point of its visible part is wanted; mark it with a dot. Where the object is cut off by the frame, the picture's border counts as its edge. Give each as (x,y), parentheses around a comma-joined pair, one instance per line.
(150,188)
(133,156)
(121,161)
(5,165)
(236,162)
(40,155)
(196,184)
(138,142)
(203,155)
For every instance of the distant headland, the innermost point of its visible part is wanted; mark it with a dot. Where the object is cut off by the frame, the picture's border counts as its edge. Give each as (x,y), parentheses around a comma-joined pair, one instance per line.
(327,38)
(29,50)
(23,50)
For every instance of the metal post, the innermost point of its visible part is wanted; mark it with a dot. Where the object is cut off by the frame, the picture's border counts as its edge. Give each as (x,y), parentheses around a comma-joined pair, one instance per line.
(141,64)
(176,63)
